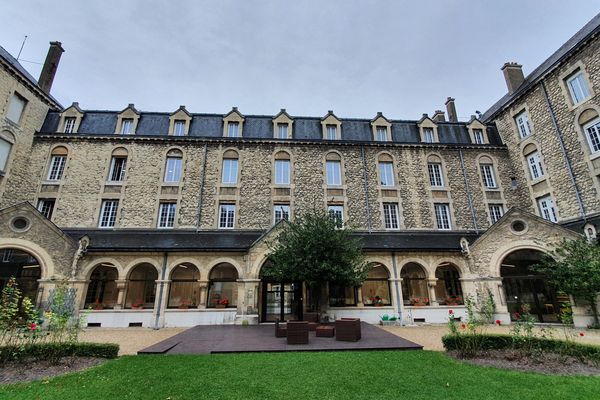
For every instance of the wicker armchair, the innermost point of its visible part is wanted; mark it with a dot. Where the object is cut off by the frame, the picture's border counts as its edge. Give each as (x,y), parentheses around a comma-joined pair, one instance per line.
(297,332)
(280,329)
(347,329)
(313,320)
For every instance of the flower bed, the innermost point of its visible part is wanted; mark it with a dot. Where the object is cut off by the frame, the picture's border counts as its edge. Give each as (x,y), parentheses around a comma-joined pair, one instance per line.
(53,351)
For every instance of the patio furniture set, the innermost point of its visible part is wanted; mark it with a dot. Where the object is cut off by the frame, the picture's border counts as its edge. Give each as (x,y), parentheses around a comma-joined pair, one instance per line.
(296,332)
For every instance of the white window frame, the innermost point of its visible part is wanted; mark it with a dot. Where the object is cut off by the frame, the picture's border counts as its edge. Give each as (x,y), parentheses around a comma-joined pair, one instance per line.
(478,135)
(523,124)
(547,208)
(69,124)
(331,131)
(282,172)
(496,212)
(333,169)
(166,215)
(337,213)
(381,134)
(226,216)
(436,175)
(46,207)
(536,168)
(592,134)
(488,176)
(57,168)
(5,150)
(282,130)
(113,165)
(173,169)
(108,213)
(281,212)
(386,174)
(443,219)
(578,87)
(428,135)
(233,129)
(391,218)
(127,126)
(179,127)
(16,108)
(230,171)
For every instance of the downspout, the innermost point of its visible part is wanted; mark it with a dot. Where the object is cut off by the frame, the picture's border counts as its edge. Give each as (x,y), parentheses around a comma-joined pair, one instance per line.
(366,188)
(564,152)
(161,290)
(201,195)
(397,288)
(468,189)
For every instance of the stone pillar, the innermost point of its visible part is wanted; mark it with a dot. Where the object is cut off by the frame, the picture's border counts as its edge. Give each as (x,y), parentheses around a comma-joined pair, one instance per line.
(121,286)
(81,290)
(359,301)
(160,302)
(203,293)
(396,294)
(247,301)
(431,283)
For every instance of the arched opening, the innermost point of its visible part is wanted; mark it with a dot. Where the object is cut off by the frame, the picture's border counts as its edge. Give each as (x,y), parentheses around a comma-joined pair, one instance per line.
(185,288)
(24,267)
(222,286)
(141,288)
(281,300)
(525,287)
(102,291)
(376,288)
(414,285)
(448,290)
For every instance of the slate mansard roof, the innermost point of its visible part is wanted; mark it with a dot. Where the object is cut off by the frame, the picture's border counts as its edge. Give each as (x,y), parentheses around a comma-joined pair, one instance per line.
(154,124)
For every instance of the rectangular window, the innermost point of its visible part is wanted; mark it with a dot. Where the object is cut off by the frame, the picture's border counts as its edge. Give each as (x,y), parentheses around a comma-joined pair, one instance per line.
(592,132)
(331,132)
(173,169)
(337,213)
(442,216)
(578,87)
(282,131)
(386,174)
(46,207)
(226,216)
(487,174)
(127,126)
(547,210)
(282,172)
(341,295)
(69,124)
(179,128)
(108,213)
(117,169)
(281,211)
(435,174)
(57,166)
(390,215)
(478,134)
(496,212)
(334,173)
(15,108)
(523,124)
(428,133)
(233,129)
(166,215)
(381,134)
(230,171)
(535,165)
(5,147)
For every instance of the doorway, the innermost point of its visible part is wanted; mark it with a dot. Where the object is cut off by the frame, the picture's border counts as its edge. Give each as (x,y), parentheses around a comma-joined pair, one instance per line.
(281,301)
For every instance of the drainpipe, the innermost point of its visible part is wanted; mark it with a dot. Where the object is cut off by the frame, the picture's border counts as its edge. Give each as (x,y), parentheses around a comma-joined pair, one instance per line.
(201,196)
(161,290)
(397,288)
(468,189)
(564,152)
(366,188)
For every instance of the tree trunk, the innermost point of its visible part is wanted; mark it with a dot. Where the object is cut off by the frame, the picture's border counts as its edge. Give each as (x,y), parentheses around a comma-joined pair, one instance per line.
(594,305)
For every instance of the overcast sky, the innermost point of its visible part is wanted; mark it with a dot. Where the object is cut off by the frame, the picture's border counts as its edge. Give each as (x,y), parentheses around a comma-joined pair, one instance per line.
(403,58)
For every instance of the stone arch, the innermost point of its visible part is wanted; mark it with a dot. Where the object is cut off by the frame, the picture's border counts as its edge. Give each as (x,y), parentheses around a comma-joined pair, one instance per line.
(183,260)
(376,290)
(24,267)
(184,288)
(414,284)
(46,264)
(434,157)
(102,290)
(87,270)
(141,290)
(227,260)
(426,265)
(448,285)
(503,251)
(223,286)
(144,260)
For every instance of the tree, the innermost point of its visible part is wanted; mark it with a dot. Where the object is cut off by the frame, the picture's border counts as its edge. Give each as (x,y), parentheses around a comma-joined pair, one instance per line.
(574,268)
(314,250)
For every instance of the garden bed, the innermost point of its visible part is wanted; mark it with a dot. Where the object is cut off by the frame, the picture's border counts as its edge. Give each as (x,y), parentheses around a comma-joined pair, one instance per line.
(32,369)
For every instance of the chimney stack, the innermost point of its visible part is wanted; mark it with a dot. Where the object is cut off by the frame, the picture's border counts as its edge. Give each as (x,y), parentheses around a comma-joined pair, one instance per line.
(438,116)
(513,74)
(50,66)
(451,109)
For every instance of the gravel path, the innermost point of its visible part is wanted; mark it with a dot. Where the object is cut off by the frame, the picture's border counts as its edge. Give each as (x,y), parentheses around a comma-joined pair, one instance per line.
(130,340)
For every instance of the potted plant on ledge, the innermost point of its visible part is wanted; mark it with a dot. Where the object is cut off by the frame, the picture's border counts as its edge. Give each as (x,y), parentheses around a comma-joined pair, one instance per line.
(419,301)
(223,303)
(137,305)
(97,305)
(185,304)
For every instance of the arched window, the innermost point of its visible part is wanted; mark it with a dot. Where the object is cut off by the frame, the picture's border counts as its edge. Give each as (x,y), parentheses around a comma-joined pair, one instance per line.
(24,267)
(141,289)
(58,159)
(118,165)
(222,286)
(102,291)
(414,285)
(185,288)
(229,174)
(488,175)
(447,288)
(376,288)
(534,161)
(590,123)
(173,166)
(282,168)
(333,169)
(435,170)
(386,170)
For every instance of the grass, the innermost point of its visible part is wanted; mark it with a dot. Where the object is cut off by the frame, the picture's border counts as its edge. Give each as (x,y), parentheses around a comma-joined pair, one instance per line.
(319,375)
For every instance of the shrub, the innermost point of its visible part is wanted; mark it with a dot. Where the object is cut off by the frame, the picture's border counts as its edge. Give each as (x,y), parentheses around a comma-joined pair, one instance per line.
(55,351)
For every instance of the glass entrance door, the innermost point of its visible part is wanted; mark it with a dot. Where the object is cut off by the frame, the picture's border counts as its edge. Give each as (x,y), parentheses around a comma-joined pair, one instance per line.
(535,293)
(281,300)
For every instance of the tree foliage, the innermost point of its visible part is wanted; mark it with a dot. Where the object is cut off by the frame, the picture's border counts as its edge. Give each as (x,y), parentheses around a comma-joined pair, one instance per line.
(574,268)
(312,249)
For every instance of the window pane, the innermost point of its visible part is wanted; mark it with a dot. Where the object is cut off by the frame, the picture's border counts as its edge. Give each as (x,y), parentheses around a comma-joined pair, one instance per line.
(381,134)
(117,169)
(282,131)
(179,128)
(337,213)
(108,213)
(126,126)
(376,292)
(341,296)
(334,175)
(593,135)
(226,216)
(428,132)
(5,147)
(46,207)
(282,172)
(166,215)
(442,216)
(233,129)
(222,294)
(386,173)
(230,171)
(173,169)
(578,88)
(496,212)
(435,174)
(331,132)
(15,108)
(57,166)
(69,125)
(390,215)
(282,211)
(487,173)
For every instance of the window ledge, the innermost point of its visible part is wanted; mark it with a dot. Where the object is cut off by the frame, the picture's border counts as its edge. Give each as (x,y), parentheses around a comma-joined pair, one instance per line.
(113,183)
(534,182)
(595,155)
(51,183)
(171,184)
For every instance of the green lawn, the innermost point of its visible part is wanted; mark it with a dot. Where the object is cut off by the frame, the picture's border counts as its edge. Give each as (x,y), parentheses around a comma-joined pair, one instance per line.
(324,375)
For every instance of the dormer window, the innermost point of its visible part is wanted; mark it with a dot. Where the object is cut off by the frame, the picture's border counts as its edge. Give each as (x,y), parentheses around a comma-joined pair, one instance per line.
(331,132)
(233,129)
(127,126)
(69,124)
(179,127)
(428,135)
(478,135)
(381,134)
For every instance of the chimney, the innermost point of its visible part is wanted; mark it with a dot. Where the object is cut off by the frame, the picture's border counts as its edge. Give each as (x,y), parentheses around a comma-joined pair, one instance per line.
(50,66)
(438,116)
(451,109)
(513,74)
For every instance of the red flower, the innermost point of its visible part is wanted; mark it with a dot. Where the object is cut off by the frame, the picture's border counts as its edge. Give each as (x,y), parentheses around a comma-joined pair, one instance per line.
(463,326)
(517,315)
(450,312)
(33,326)
(498,322)
(581,334)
